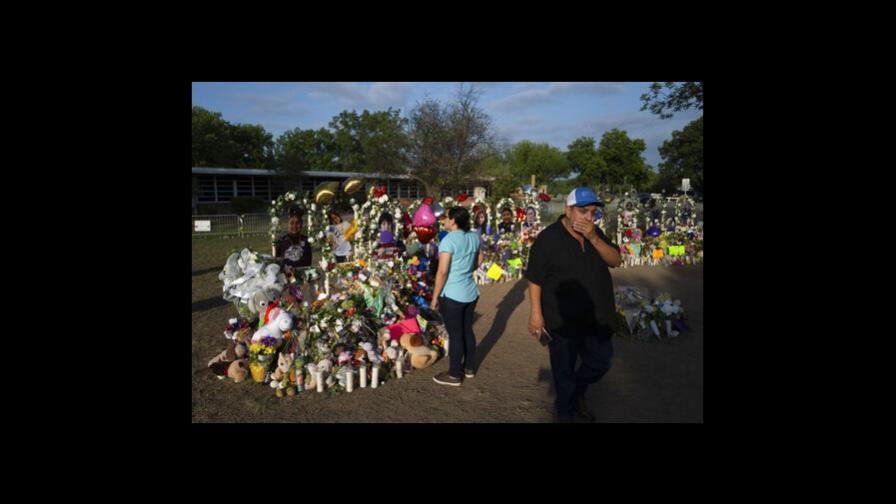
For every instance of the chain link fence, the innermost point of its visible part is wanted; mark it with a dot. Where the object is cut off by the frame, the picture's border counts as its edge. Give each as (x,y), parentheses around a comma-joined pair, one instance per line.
(234,225)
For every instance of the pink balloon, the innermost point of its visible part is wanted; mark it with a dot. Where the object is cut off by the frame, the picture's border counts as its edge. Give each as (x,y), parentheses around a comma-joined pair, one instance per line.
(424,216)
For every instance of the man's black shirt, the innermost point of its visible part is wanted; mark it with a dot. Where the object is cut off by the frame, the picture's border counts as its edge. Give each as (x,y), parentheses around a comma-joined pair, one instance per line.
(576,286)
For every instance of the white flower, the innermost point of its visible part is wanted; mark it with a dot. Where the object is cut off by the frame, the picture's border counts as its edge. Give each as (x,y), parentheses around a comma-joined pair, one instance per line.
(310,240)
(313,207)
(291,196)
(323,263)
(275,221)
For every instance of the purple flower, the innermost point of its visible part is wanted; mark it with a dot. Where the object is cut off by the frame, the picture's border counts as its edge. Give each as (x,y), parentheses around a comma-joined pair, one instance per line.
(268,341)
(411,311)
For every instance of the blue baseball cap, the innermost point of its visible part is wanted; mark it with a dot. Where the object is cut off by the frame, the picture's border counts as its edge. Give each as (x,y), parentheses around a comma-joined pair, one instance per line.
(581,196)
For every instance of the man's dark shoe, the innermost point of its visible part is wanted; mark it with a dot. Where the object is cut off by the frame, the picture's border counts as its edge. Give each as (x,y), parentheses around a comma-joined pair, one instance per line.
(446,379)
(563,417)
(582,409)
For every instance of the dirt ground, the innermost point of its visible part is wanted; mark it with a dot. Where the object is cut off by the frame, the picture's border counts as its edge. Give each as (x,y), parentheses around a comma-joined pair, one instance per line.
(649,382)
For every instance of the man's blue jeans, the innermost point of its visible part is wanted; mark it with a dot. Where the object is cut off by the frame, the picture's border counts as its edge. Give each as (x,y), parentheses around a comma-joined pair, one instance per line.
(596,351)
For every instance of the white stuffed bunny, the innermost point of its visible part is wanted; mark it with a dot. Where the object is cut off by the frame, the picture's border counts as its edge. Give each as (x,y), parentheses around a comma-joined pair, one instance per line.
(275,327)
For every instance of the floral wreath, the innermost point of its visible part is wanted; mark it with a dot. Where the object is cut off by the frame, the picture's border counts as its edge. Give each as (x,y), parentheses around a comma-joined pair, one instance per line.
(378,202)
(679,212)
(317,220)
(483,206)
(636,210)
(502,203)
(535,201)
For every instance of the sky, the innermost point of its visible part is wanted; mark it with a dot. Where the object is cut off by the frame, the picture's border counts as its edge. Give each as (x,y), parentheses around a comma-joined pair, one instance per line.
(543,112)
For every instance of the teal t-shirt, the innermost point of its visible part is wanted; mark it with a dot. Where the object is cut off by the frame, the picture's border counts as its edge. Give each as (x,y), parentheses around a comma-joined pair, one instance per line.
(464,249)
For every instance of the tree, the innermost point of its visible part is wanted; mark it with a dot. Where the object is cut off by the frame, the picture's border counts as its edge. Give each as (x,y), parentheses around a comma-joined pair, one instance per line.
(624,164)
(542,160)
(497,167)
(299,150)
(211,139)
(447,144)
(252,146)
(216,142)
(680,96)
(586,162)
(372,142)
(683,157)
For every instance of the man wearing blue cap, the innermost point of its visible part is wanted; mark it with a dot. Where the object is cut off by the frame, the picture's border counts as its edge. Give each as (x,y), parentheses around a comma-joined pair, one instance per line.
(571,297)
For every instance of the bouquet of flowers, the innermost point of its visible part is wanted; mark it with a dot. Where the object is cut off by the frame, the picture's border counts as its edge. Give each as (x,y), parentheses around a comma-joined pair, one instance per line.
(251,280)
(663,317)
(236,326)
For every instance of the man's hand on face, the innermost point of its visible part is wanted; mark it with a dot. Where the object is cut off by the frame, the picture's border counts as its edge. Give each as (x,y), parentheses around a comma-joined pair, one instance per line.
(585,227)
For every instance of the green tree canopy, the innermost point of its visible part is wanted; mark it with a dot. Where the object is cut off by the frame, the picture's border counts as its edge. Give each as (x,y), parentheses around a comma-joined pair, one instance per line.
(666,98)
(683,158)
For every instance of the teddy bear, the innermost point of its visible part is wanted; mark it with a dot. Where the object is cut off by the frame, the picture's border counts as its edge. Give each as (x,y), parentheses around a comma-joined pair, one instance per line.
(384,337)
(311,382)
(280,379)
(421,355)
(227,364)
(238,370)
(275,328)
(372,356)
(235,350)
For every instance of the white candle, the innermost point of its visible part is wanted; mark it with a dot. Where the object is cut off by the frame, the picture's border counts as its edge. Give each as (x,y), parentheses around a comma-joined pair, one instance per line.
(398,366)
(669,328)
(319,378)
(327,284)
(349,380)
(376,377)
(362,371)
(656,330)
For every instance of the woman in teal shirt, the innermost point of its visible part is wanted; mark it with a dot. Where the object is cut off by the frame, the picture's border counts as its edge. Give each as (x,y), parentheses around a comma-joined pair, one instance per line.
(455,294)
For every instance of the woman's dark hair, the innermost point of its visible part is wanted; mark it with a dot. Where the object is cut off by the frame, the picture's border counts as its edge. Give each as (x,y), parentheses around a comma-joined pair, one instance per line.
(506,209)
(460,216)
(296,212)
(484,220)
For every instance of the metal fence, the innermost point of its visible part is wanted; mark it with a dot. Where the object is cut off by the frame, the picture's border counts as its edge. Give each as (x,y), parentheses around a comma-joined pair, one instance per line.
(233,225)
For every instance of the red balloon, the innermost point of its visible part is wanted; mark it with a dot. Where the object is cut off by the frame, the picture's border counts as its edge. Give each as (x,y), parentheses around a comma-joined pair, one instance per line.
(461,197)
(520,214)
(544,197)
(406,225)
(425,233)
(427,200)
